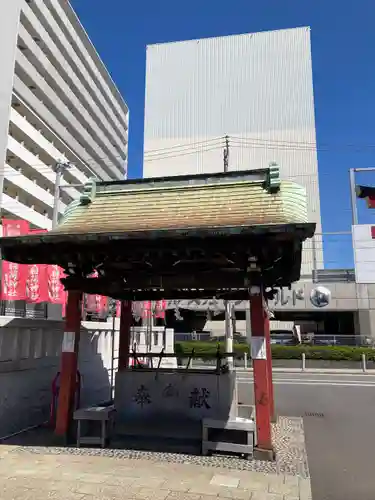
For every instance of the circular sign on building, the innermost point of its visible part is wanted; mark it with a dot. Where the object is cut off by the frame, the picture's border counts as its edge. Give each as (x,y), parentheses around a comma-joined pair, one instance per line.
(320,296)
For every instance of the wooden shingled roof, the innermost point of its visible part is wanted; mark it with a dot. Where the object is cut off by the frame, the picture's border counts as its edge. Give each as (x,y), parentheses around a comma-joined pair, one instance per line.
(236,201)
(169,237)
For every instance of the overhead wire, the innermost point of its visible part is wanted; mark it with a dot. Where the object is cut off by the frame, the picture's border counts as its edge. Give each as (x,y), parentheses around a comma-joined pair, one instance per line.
(237,141)
(300,143)
(166,157)
(197,143)
(234,141)
(200,147)
(204,146)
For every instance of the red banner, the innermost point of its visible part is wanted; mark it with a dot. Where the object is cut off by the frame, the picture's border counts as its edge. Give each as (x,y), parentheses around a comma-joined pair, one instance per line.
(56,292)
(160,307)
(158,311)
(96,303)
(15,227)
(118,308)
(37,279)
(14,276)
(14,281)
(146,309)
(37,284)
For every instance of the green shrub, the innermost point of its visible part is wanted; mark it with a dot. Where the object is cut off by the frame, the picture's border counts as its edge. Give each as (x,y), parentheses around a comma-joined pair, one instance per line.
(206,349)
(332,353)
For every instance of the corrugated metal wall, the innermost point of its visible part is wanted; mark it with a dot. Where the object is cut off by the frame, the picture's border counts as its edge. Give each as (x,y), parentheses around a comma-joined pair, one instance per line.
(255,88)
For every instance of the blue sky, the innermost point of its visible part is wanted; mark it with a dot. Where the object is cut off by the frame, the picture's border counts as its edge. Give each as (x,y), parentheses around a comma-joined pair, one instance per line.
(343,51)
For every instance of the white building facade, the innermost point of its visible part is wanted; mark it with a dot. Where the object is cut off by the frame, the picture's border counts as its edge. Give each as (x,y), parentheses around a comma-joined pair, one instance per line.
(256,90)
(57,103)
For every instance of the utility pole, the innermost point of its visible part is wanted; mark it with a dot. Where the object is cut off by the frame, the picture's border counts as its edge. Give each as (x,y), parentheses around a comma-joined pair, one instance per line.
(229,310)
(226,154)
(59,170)
(353,196)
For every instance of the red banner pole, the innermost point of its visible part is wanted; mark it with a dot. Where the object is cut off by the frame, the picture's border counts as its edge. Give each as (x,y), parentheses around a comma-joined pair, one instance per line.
(125,334)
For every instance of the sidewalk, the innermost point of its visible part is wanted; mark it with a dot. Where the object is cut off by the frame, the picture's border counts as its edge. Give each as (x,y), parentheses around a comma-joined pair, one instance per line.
(25,475)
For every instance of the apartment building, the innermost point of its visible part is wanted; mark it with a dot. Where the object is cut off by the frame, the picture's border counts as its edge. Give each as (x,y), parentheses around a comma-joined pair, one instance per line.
(58,103)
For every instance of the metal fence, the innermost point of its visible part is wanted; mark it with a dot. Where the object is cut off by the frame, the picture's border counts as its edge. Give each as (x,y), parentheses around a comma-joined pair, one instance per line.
(286,339)
(325,340)
(188,337)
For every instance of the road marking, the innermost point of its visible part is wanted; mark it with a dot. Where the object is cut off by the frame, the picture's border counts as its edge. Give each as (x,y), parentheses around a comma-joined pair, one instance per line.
(300,373)
(314,377)
(312,382)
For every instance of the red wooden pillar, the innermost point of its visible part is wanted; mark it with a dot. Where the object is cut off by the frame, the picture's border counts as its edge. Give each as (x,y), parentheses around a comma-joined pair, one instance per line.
(69,365)
(269,367)
(260,369)
(125,336)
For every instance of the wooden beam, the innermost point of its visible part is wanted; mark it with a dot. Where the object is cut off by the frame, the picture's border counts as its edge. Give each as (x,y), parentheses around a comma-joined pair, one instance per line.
(143,295)
(210,281)
(69,366)
(262,397)
(59,248)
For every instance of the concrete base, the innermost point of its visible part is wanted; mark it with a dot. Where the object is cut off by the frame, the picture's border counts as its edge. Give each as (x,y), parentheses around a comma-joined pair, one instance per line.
(180,394)
(159,428)
(234,436)
(150,402)
(157,444)
(265,455)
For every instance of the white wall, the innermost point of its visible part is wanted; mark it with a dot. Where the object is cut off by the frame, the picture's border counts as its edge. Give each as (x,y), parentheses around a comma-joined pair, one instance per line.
(30,358)
(364,252)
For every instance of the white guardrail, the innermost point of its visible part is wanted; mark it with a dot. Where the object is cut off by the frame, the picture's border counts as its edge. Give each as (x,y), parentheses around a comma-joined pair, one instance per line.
(303,362)
(245,365)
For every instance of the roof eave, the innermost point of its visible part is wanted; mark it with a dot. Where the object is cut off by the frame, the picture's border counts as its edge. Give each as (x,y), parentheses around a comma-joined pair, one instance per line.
(305,230)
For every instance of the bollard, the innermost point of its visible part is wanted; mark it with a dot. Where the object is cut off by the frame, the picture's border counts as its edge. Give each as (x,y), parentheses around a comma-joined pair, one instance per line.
(245,360)
(303,361)
(364,365)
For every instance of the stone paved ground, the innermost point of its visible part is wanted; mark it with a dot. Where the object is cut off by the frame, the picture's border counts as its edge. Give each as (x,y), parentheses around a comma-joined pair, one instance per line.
(30,469)
(288,439)
(37,476)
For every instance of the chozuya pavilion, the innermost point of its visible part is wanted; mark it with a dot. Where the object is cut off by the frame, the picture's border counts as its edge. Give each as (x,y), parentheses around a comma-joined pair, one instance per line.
(231,236)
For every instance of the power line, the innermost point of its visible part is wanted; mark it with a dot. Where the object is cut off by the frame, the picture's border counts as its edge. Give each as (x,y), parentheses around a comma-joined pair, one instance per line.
(193,148)
(300,143)
(207,141)
(287,147)
(49,171)
(166,157)
(236,142)
(265,142)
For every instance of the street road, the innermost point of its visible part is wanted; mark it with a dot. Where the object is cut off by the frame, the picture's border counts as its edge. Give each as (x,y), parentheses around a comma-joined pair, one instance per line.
(339,420)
